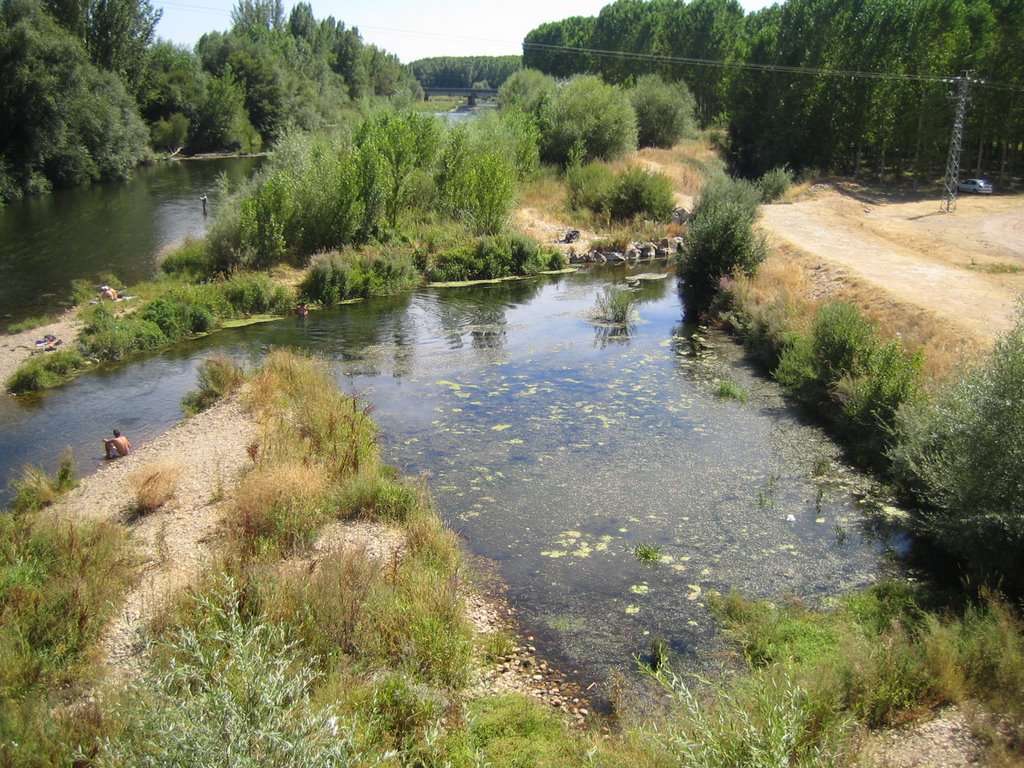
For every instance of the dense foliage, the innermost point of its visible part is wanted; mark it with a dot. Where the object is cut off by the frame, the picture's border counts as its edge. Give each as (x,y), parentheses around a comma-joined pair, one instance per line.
(846,371)
(963,453)
(378,182)
(85,88)
(464,71)
(721,240)
(877,125)
(582,118)
(633,191)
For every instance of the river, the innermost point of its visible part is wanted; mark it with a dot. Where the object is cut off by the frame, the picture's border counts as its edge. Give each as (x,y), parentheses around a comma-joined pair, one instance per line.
(554,446)
(119,228)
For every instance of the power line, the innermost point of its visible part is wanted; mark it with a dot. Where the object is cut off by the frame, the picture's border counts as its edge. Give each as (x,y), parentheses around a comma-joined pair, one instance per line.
(755,66)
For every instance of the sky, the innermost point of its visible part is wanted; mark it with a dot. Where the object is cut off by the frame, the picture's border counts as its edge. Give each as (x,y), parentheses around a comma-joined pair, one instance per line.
(410,29)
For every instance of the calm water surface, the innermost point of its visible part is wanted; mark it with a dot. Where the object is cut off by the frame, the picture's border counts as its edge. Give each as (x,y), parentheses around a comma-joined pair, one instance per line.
(118,227)
(553,445)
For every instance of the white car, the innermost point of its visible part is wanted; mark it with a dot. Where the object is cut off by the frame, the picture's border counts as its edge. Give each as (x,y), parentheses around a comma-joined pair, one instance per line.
(977,186)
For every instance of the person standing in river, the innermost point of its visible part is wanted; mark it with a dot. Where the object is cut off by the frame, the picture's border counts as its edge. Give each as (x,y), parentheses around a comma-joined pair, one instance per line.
(117,446)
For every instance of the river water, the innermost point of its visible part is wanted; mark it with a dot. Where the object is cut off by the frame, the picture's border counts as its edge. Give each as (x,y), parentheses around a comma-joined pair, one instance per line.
(553,444)
(46,241)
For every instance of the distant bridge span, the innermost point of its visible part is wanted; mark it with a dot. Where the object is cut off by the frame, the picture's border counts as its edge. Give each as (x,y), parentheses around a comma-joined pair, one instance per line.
(470,94)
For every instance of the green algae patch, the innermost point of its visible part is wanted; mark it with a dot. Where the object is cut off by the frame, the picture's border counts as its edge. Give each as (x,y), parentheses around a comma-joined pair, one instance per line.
(242,322)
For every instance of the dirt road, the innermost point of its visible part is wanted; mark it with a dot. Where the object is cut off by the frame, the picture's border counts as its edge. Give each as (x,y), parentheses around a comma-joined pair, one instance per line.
(966,269)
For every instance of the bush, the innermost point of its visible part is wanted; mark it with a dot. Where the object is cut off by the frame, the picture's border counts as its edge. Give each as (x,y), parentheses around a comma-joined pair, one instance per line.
(843,363)
(590,186)
(257,294)
(177,319)
(664,111)
(44,371)
(721,240)
(962,455)
(107,337)
(587,119)
(639,192)
(338,277)
(494,257)
(60,581)
(218,376)
(237,692)
(774,184)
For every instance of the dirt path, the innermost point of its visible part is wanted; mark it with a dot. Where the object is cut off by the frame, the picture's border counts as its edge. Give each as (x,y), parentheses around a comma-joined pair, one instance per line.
(966,268)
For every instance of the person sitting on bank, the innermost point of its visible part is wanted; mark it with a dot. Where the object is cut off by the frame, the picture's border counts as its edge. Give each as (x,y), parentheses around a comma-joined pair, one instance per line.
(106,292)
(117,446)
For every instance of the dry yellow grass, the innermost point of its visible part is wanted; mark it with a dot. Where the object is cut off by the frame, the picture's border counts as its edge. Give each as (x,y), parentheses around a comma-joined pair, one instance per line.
(155,484)
(803,283)
(280,502)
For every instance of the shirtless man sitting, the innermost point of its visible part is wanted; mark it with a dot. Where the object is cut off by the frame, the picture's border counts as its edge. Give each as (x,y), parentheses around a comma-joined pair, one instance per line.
(118,446)
(106,292)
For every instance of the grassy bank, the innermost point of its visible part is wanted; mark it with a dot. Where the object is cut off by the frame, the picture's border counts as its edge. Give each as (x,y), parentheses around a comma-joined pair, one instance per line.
(60,582)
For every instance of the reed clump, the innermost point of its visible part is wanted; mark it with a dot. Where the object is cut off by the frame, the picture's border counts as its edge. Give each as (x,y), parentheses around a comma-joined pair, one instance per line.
(36,489)
(218,376)
(615,304)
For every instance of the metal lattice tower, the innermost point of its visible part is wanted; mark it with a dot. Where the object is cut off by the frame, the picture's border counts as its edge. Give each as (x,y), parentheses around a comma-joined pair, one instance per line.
(955,144)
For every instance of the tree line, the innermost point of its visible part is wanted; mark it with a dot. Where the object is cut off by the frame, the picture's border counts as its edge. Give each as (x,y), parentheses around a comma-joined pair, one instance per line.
(464,71)
(87,92)
(821,117)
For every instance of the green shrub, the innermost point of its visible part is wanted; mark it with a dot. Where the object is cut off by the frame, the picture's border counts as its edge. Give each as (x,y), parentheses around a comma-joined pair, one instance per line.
(192,260)
(775,183)
(82,291)
(106,337)
(44,371)
(664,111)
(590,186)
(257,294)
(217,376)
(587,119)
(237,692)
(962,455)
(843,363)
(350,275)
(721,240)
(771,720)
(59,583)
(494,257)
(177,319)
(639,192)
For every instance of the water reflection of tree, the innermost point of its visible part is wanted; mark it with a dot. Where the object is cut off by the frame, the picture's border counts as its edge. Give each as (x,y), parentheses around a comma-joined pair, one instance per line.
(648,291)
(375,332)
(478,312)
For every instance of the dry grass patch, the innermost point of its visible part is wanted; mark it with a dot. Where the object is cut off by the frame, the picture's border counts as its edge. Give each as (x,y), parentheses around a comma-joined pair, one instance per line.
(155,484)
(277,507)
